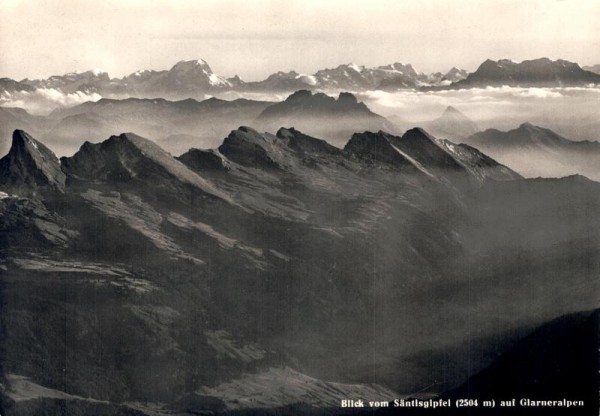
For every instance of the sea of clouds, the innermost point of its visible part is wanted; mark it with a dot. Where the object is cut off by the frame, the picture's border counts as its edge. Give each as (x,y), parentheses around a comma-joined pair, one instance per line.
(572,112)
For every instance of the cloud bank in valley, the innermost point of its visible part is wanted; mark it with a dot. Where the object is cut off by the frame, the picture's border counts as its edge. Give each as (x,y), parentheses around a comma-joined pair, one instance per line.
(43,100)
(571,112)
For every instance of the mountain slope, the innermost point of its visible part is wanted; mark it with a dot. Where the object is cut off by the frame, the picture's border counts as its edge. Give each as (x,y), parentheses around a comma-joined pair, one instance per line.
(479,164)
(129,157)
(262,268)
(29,166)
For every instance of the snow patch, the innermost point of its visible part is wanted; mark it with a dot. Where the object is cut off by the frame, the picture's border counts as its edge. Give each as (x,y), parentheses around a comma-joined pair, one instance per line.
(355,67)
(217,80)
(307,79)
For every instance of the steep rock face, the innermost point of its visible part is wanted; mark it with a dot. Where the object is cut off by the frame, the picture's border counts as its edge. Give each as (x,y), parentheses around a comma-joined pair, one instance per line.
(184,79)
(29,166)
(306,144)
(421,146)
(130,159)
(201,160)
(376,148)
(479,164)
(455,74)
(189,73)
(248,147)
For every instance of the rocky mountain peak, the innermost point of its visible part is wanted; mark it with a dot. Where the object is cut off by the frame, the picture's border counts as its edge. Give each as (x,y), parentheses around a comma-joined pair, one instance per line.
(424,148)
(201,160)
(526,125)
(30,165)
(451,111)
(418,133)
(195,73)
(306,144)
(134,160)
(198,64)
(377,149)
(347,98)
(248,147)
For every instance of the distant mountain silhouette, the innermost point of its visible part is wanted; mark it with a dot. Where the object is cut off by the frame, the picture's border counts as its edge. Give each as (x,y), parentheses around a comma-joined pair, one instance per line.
(593,68)
(541,72)
(536,151)
(195,79)
(323,116)
(452,124)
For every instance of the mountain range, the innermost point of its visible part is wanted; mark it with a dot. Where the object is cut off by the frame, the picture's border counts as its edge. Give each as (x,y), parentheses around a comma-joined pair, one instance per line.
(276,269)
(541,72)
(179,125)
(195,79)
(536,151)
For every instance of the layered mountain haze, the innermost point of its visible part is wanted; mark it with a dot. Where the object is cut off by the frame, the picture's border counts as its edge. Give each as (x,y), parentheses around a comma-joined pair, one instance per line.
(536,151)
(452,124)
(186,284)
(176,125)
(180,125)
(323,116)
(593,68)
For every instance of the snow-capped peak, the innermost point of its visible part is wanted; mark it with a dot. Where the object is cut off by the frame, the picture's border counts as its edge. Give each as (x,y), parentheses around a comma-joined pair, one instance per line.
(218,81)
(355,67)
(307,79)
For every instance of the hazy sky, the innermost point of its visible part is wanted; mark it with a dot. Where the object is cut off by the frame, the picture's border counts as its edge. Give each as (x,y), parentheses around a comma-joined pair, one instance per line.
(254,38)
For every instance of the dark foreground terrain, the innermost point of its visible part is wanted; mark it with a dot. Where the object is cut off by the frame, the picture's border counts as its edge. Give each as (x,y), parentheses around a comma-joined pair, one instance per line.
(278,274)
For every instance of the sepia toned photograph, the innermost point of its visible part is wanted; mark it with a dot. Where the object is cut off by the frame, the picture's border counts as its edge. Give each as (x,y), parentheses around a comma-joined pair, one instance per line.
(324,208)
